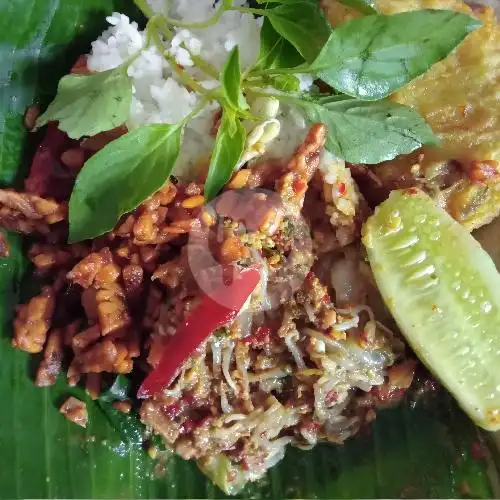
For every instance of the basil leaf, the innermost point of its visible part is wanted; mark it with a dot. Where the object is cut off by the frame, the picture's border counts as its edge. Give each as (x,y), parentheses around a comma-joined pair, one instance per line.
(303,24)
(285,83)
(120,177)
(364,6)
(230,78)
(366,132)
(373,56)
(88,104)
(276,51)
(229,146)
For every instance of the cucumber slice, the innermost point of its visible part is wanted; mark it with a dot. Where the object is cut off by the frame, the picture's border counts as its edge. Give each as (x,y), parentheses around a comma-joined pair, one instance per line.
(443,290)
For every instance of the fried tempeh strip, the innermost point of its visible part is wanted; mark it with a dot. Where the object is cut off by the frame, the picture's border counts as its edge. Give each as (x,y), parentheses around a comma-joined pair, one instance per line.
(84,339)
(85,272)
(28,213)
(292,186)
(51,365)
(33,322)
(46,256)
(93,385)
(112,310)
(106,356)
(75,411)
(74,373)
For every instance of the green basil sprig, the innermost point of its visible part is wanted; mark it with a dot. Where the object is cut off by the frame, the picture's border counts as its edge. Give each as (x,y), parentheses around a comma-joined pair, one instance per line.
(366,132)
(230,78)
(285,83)
(302,23)
(119,177)
(366,58)
(371,57)
(86,105)
(229,146)
(275,50)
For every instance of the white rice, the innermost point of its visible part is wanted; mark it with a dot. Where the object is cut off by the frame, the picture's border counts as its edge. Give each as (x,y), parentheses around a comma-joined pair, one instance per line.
(158,97)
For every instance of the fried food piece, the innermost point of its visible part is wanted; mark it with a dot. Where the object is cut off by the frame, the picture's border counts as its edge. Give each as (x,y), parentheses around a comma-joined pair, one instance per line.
(84,339)
(292,186)
(75,411)
(106,356)
(74,373)
(49,257)
(458,97)
(112,310)
(172,272)
(339,13)
(51,365)
(33,322)
(153,415)
(133,277)
(93,385)
(85,272)
(28,213)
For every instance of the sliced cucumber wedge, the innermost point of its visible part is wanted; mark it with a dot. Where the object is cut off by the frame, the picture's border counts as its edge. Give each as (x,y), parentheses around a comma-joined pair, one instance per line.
(443,290)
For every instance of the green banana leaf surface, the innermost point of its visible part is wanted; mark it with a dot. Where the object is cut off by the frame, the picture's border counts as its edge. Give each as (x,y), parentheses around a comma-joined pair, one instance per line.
(424,448)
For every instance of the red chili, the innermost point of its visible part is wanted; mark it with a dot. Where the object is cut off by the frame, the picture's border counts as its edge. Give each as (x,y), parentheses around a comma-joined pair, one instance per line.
(342,188)
(260,337)
(298,186)
(210,314)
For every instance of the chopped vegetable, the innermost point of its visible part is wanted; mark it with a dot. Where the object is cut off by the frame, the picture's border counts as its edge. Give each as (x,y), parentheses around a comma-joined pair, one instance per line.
(214,311)
(444,291)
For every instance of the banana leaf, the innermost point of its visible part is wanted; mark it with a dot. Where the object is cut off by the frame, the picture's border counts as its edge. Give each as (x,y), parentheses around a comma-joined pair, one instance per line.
(423,448)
